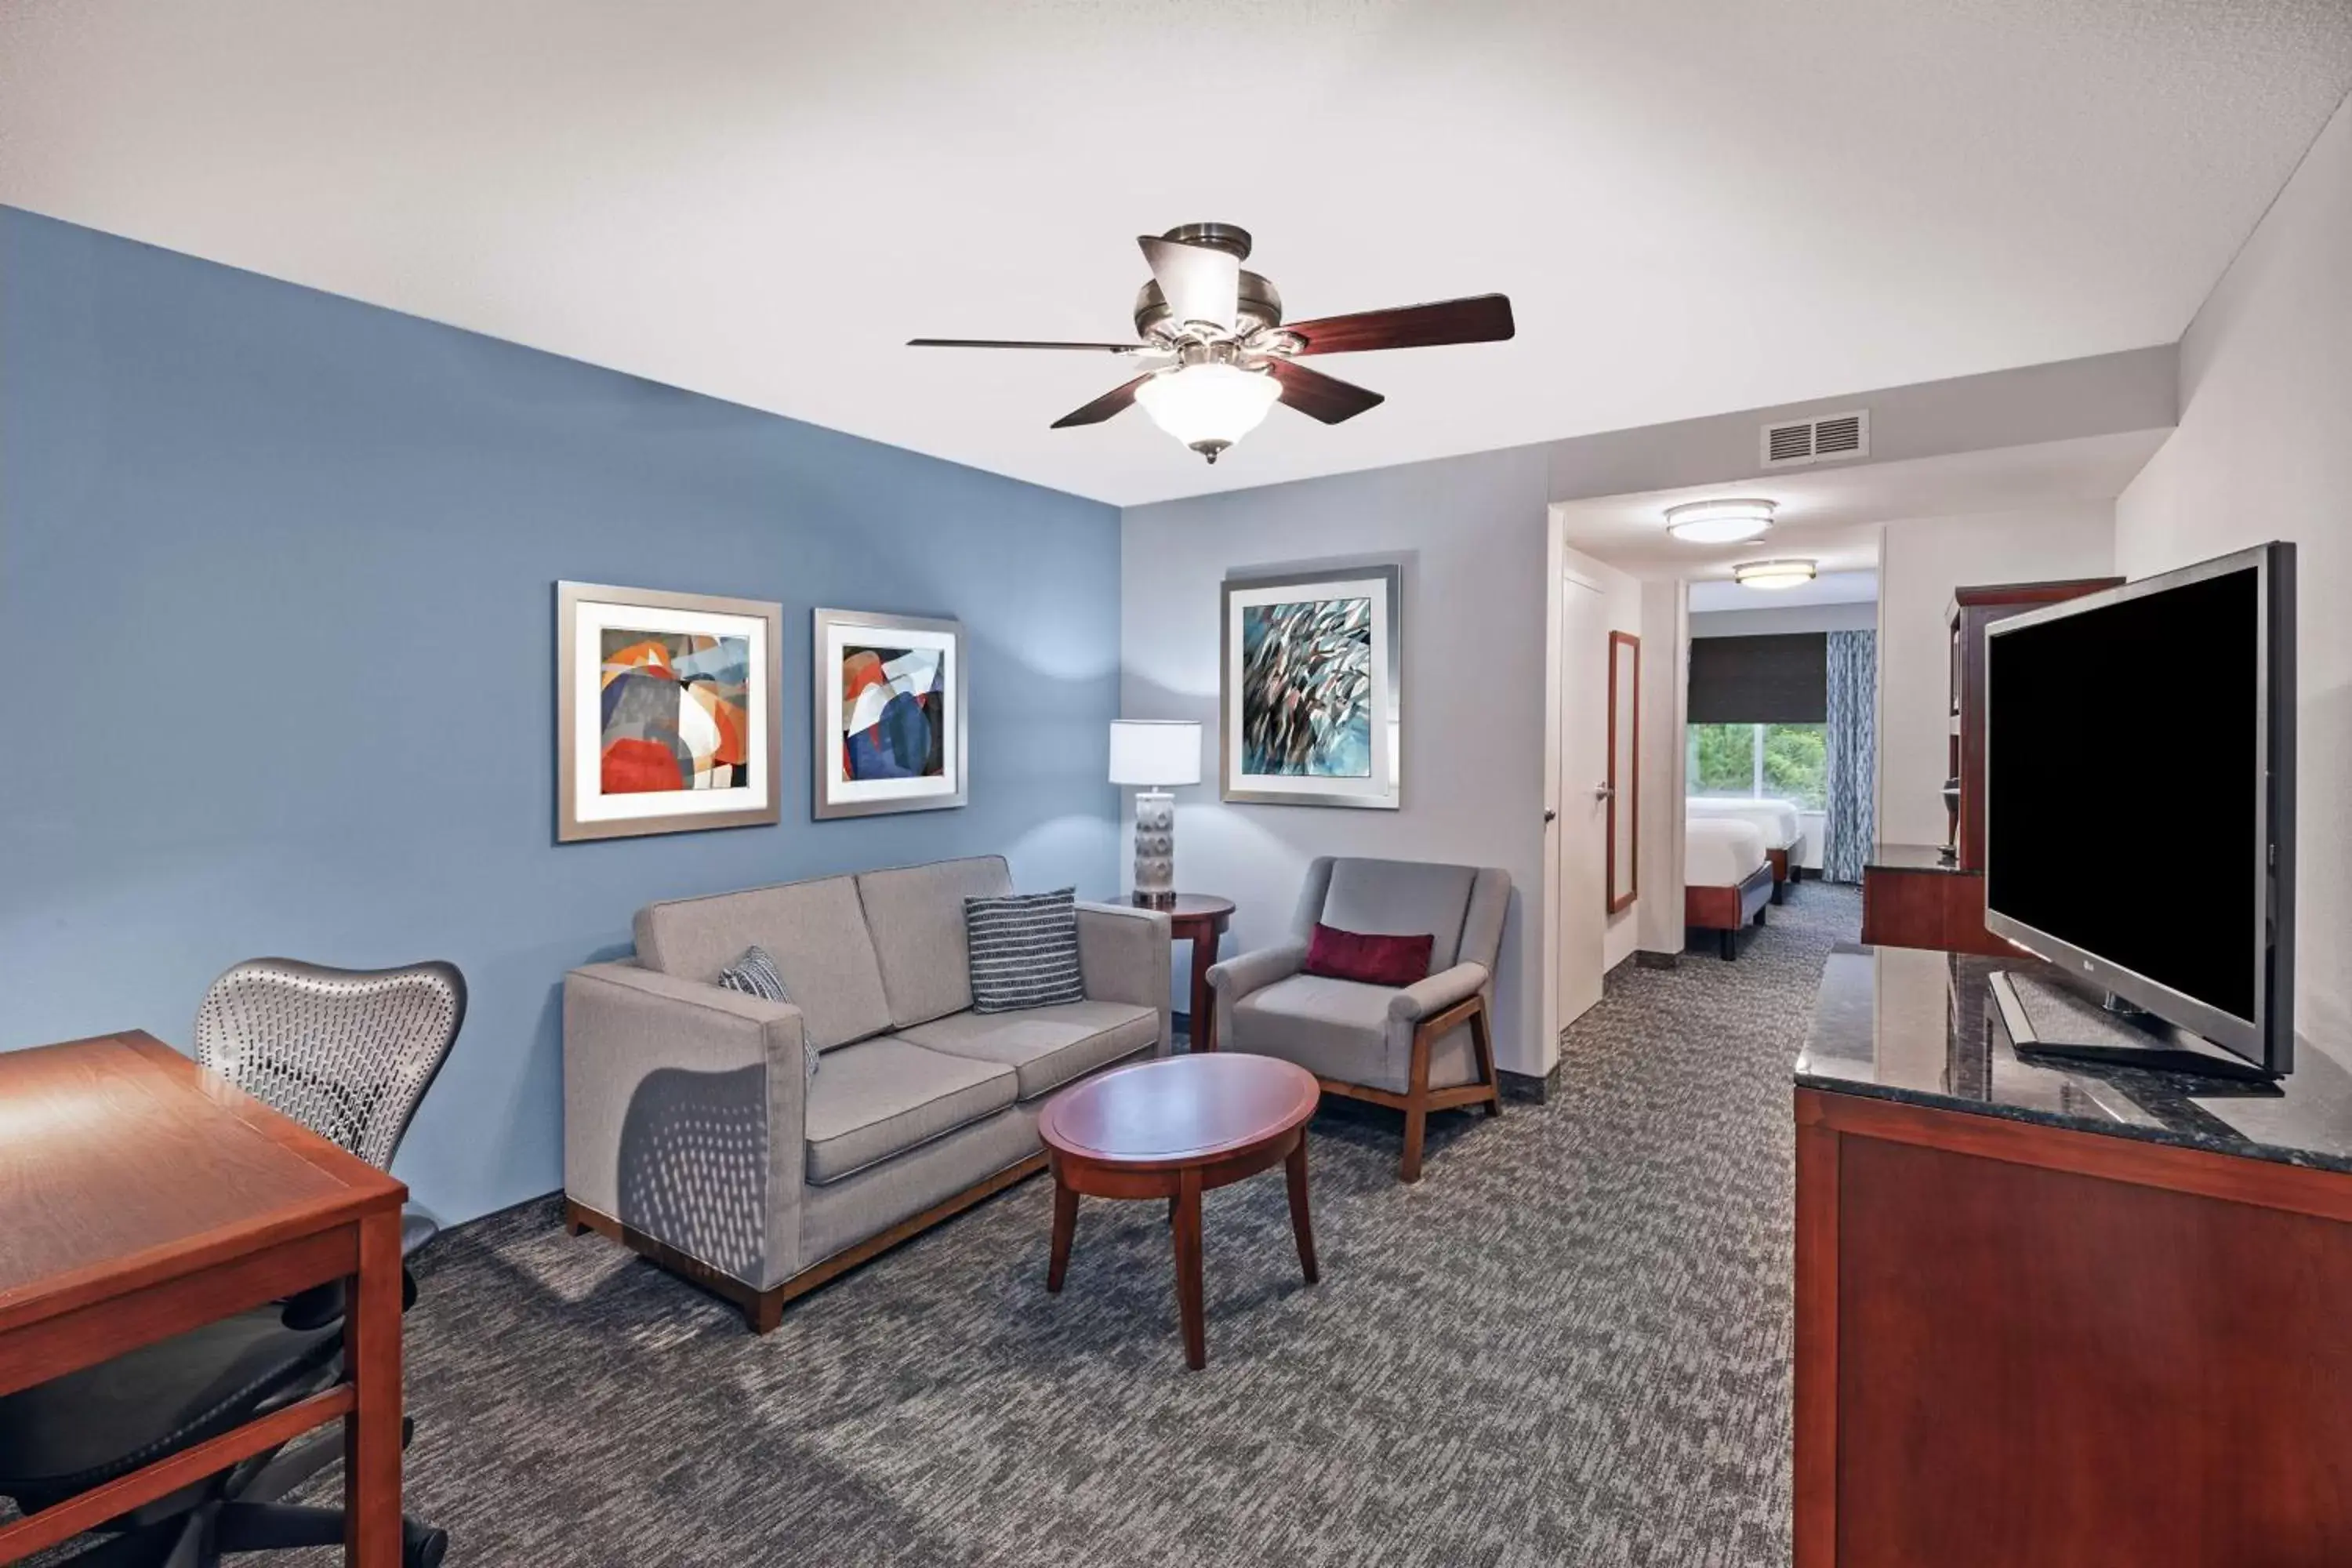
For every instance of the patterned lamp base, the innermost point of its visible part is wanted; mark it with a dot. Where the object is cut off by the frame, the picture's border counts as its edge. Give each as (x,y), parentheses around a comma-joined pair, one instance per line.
(1155,849)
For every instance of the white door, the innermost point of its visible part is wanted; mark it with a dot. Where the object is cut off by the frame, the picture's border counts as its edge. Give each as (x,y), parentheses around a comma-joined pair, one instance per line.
(1581,836)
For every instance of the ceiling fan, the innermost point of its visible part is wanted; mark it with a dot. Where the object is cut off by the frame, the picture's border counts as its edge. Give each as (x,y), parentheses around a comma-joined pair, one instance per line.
(1221,354)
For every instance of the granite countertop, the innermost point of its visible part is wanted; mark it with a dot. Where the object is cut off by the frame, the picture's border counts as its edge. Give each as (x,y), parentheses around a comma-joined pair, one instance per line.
(1912,857)
(1920,1026)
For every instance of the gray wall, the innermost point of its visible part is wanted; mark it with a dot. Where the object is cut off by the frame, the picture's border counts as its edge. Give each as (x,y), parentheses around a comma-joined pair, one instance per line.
(277,574)
(2264,452)
(1921,562)
(1473,533)
(1470,531)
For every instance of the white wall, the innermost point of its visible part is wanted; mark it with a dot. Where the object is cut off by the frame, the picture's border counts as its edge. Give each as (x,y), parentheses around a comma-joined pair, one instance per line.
(1857,617)
(1815,826)
(1666,709)
(2263,451)
(1471,534)
(1921,562)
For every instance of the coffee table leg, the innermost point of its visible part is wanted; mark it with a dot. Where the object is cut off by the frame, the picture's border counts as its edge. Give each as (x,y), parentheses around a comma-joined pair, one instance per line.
(1299,1225)
(1065,1225)
(1188,1268)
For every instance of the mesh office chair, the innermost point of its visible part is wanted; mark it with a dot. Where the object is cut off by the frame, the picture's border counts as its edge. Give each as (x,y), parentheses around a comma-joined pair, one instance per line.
(349,1053)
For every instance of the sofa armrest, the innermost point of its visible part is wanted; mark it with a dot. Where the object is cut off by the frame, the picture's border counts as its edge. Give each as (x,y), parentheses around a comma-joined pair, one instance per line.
(1236,978)
(1123,957)
(1427,998)
(684,1109)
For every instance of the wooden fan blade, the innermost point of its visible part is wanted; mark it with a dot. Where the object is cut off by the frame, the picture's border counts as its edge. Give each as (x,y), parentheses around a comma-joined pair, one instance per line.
(1199,284)
(1480,319)
(1019,343)
(1102,407)
(1321,397)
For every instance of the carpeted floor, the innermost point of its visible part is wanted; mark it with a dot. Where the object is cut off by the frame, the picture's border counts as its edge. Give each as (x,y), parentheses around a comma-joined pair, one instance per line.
(1568,1344)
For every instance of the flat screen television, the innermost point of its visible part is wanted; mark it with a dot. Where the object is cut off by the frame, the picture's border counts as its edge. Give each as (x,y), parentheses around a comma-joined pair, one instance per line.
(2139,795)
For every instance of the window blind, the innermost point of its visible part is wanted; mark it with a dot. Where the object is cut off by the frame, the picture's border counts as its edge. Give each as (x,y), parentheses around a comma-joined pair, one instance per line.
(1779,679)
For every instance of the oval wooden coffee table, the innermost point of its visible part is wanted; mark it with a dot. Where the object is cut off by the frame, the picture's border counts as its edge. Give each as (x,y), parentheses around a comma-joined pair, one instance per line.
(1173,1129)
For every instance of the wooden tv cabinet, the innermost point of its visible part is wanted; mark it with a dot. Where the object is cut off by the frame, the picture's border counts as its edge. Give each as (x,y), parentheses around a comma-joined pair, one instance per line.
(2059,1315)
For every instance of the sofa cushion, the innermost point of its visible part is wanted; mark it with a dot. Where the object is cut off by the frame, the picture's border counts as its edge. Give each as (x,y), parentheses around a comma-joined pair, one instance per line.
(914,917)
(1046,1046)
(880,1097)
(1402,898)
(816,930)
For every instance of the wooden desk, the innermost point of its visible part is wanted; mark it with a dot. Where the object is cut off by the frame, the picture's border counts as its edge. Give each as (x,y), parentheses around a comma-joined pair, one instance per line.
(141,1197)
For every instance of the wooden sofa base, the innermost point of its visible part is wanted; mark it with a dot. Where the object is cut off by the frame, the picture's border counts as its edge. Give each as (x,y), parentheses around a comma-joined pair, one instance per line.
(1723,909)
(763,1309)
(1419,1099)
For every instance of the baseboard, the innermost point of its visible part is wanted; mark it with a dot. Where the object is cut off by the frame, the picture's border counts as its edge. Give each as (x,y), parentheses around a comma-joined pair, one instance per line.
(1526,1086)
(1649,959)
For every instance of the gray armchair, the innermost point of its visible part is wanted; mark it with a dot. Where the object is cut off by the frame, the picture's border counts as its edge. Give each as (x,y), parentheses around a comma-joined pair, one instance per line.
(1417,1049)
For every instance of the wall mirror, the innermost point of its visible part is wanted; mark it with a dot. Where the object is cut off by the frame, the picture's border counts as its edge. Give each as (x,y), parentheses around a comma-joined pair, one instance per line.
(1624,765)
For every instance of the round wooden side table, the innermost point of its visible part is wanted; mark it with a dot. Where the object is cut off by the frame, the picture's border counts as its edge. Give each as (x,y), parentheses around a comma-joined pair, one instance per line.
(1200,918)
(1173,1129)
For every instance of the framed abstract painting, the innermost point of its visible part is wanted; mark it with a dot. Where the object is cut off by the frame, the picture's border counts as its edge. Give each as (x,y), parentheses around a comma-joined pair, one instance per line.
(889,711)
(1312,714)
(668,712)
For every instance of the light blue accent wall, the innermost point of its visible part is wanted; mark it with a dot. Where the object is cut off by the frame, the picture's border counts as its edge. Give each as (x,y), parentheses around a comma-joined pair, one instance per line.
(277,599)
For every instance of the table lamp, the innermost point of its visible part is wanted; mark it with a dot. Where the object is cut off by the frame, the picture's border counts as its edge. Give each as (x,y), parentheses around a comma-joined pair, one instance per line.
(1154,754)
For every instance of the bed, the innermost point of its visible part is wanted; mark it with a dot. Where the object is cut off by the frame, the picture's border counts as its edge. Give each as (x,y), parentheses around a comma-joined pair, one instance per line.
(1777,820)
(1726,877)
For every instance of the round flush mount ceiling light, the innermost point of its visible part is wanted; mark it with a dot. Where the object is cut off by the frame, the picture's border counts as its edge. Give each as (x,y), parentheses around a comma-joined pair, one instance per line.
(1208,407)
(1773,576)
(1734,521)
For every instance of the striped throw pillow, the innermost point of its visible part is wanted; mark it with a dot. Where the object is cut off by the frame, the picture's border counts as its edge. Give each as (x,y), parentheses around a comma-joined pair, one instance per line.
(754,975)
(1025,951)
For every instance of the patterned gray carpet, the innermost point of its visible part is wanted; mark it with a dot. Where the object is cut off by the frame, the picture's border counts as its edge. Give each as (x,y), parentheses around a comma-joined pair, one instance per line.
(1569,1344)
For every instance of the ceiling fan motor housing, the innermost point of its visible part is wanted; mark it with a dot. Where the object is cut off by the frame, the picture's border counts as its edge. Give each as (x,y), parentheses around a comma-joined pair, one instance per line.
(1258,307)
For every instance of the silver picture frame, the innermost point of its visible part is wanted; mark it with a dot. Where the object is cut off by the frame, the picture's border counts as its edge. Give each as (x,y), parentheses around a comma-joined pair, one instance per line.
(1382,789)
(830,795)
(581,811)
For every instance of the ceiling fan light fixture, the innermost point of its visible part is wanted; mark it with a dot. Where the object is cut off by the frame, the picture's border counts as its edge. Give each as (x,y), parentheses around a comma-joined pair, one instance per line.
(1734,520)
(1773,576)
(1208,407)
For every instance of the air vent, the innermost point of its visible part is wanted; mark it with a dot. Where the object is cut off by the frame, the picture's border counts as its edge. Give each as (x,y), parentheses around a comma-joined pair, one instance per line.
(1825,440)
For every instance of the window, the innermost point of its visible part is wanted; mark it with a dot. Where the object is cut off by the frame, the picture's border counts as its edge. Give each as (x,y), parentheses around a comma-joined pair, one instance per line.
(1784,762)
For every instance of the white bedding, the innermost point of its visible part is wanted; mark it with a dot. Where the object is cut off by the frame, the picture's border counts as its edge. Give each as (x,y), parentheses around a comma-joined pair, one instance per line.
(1775,819)
(1719,852)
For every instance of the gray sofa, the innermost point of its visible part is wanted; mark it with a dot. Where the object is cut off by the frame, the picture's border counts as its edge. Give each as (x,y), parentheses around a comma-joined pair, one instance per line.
(760,1148)
(1415,1048)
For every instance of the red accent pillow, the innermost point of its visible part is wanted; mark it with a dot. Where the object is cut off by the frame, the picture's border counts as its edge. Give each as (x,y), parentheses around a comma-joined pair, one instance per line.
(1373,960)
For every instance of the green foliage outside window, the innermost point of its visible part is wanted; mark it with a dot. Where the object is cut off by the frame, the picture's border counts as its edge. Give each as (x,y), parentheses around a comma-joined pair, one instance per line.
(1795,757)
(1723,759)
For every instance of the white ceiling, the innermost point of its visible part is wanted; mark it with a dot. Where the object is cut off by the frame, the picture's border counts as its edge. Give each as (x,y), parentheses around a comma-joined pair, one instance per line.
(1696,205)
(1833,516)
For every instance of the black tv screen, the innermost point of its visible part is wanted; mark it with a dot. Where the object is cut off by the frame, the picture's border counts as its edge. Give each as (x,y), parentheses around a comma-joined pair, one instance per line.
(2131,809)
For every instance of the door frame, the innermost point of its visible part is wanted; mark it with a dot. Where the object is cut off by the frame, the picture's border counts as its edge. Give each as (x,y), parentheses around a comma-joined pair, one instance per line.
(1557,575)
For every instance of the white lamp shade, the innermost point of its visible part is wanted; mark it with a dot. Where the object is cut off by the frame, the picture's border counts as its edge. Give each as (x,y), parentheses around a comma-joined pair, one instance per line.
(1155,752)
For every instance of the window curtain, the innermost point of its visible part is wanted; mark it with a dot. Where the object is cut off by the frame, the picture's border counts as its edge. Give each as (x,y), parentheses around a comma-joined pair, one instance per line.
(1853,754)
